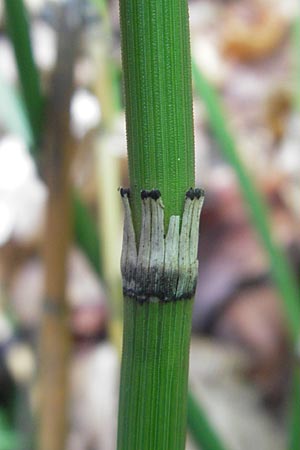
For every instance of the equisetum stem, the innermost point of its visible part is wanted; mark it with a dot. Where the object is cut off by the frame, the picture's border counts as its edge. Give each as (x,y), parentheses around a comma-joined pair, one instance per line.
(159,258)
(158,99)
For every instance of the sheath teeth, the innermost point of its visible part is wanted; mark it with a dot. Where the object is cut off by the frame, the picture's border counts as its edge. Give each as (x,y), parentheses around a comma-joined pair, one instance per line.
(164,267)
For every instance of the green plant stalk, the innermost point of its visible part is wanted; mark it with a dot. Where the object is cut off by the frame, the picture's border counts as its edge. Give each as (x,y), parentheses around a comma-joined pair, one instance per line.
(158,96)
(18,26)
(282,274)
(159,121)
(200,428)
(294,431)
(17,21)
(12,114)
(152,411)
(86,233)
(9,439)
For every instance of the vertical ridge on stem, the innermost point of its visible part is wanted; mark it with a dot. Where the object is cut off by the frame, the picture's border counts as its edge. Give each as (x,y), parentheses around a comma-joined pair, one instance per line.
(157,322)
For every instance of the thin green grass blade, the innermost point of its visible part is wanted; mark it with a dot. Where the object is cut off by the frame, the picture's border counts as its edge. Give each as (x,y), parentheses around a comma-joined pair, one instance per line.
(294,431)
(86,233)
(12,115)
(85,229)
(201,429)
(283,276)
(9,439)
(18,25)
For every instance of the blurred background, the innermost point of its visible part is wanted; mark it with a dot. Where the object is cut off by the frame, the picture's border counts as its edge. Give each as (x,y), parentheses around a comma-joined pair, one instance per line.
(62,158)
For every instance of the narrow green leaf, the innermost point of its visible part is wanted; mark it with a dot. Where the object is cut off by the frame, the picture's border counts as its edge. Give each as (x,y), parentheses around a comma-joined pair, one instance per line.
(283,276)
(294,435)
(86,233)
(200,427)
(12,115)
(9,439)
(85,229)
(17,22)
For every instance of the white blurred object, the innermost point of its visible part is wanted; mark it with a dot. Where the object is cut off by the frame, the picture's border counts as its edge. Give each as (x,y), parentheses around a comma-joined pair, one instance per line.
(115,142)
(210,61)
(94,399)
(288,163)
(204,20)
(32,198)
(233,405)
(85,112)
(27,292)
(35,5)
(6,221)
(246,86)
(44,45)
(7,61)
(203,14)
(22,194)
(289,157)
(83,286)
(16,165)
(20,362)
(287,8)
(6,331)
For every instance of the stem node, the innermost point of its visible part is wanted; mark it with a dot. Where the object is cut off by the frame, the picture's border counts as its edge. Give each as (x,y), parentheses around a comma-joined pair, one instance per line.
(163,267)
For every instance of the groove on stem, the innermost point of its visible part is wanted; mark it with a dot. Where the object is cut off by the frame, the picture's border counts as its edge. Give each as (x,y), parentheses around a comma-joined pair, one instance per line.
(158,97)
(159,280)
(159,122)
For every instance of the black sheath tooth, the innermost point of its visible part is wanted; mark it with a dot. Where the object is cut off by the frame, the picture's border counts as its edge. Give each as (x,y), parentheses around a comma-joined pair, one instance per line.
(155,194)
(145,194)
(199,193)
(195,193)
(190,194)
(125,192)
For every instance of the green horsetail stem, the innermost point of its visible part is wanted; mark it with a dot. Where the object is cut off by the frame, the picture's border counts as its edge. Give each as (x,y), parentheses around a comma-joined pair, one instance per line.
(162,216)
(158,95)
